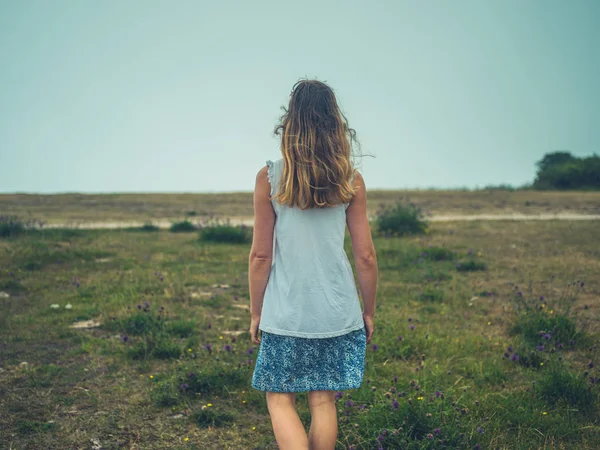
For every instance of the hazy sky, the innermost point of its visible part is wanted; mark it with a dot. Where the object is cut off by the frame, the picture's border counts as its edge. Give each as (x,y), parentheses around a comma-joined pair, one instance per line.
(183,96)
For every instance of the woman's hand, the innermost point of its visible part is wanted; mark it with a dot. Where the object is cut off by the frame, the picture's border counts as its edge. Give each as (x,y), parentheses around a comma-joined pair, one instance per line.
(254,330)
(369,326)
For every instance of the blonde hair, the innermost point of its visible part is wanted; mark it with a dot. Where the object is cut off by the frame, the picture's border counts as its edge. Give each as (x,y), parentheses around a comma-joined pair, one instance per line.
(316,144)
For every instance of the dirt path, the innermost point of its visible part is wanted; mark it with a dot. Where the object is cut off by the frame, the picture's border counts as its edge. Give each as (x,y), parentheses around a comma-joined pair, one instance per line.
(249,220)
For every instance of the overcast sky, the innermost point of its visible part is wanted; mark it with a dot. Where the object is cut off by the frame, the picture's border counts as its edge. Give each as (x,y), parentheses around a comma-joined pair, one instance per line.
(183,96)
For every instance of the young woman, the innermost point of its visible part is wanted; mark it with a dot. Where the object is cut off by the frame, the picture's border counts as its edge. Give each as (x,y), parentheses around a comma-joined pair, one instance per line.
(302,291)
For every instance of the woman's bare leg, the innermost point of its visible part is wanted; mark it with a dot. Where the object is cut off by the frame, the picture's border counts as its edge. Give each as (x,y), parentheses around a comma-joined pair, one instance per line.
(287,427)
(323,425)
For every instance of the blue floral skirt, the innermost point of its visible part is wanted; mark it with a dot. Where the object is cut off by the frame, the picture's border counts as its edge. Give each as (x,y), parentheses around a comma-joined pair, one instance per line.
(297,364)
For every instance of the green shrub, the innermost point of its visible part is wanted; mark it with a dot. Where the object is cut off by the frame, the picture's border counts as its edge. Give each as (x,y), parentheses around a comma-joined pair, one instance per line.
(400,220)
(149,226)
(11,226)
(184,226)
(536,324)
(559,385)
(470,265)
(226,233)
(437,254)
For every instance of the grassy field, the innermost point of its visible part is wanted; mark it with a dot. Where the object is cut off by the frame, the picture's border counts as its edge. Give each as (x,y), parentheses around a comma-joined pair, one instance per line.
(141,207)
(486,336)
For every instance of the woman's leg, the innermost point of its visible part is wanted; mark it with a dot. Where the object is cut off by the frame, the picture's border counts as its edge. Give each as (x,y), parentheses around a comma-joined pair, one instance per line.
(289,431)
(323,424)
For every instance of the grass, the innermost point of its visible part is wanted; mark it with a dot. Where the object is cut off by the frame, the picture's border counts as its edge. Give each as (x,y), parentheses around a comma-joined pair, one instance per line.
(167,362)
(63,208)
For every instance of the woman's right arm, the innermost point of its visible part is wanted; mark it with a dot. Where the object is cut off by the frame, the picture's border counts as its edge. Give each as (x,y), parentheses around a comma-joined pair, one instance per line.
(363,250)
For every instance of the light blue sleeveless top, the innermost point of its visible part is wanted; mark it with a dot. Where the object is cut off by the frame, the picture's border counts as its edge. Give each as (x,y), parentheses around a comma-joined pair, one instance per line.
(311,291)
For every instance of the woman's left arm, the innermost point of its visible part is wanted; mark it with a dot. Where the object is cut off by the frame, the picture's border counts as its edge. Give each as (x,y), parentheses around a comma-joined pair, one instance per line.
(261,254)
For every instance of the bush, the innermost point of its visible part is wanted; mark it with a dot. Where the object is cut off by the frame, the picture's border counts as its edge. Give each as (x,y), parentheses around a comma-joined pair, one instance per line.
(11,226)
(183,227)
(217,231)
(559,385)
(401,219)
(470,265)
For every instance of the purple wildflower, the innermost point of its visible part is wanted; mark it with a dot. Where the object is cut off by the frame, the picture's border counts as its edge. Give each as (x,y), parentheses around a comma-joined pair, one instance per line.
(375,347)
(540,347)
(338,395)
(124,338)
(514,357)
(429,436)
(395,404)
(547,336)
(349,404)
(399,338)
(227,348)
(436,431)
(412,327)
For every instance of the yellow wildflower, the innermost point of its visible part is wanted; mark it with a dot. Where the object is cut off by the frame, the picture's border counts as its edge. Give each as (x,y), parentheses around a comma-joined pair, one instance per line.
(189,349)
(151,376)
(220,337)
(419,398)
(551,311)
(254,428)
(209,404)
(187,439)
(544,413)
(489,323)
(243,401)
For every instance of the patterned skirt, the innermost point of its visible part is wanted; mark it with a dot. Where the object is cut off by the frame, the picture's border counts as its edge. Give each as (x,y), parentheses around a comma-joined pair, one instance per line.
(297,364)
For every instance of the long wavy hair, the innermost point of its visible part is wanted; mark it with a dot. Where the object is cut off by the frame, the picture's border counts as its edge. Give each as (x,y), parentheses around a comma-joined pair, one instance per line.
(316,144)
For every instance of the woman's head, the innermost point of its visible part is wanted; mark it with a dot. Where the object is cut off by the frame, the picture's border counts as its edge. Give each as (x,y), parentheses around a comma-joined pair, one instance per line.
(316,144)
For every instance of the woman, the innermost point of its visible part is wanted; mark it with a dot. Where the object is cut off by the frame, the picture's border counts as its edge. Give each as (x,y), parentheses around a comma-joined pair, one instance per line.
(302,291)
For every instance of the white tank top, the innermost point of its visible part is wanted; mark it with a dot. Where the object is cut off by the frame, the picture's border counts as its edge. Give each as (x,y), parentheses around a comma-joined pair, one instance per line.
(311,290)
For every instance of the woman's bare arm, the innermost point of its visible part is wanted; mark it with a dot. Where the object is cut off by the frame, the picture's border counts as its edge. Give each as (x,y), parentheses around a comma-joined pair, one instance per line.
(362,246)
(261,254)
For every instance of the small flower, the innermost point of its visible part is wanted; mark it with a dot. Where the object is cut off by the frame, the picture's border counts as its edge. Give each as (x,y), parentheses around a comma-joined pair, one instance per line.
(479,430)
(571,342)
(139,306)
(436,431)
(547,336)
(375,347)
(54,306)
(591,365)
(338,395)
(540,348)
(395,404)
(349,404)
(419,398)
(250,350)
(209,404)
(124,338)
(412,327)
(429,436)
(399,338)
(68,306)
(438,394)
(410,319)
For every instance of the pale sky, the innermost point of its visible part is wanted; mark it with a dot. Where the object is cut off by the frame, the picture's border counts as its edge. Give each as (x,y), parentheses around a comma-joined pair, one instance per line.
(183,96)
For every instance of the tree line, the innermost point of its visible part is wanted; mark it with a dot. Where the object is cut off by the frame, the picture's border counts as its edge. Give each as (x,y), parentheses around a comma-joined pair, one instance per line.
(562,171)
